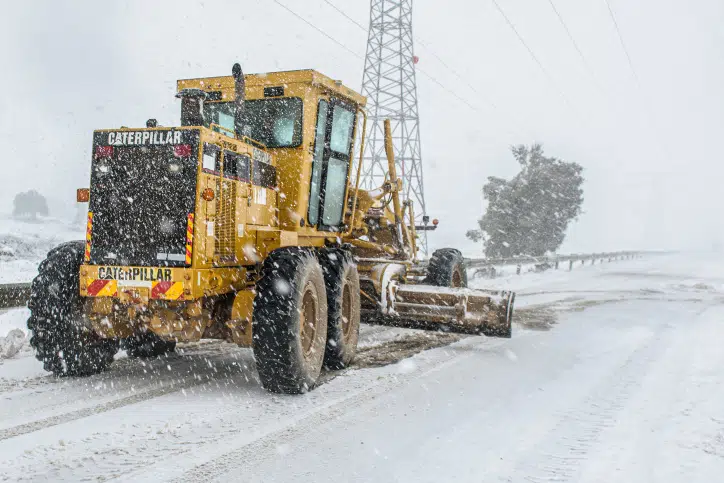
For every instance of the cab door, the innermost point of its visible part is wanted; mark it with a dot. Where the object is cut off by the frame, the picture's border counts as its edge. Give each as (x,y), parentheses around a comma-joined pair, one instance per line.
(330,166)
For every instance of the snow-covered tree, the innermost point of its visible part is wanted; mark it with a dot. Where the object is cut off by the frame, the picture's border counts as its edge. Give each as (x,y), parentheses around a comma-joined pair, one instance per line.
(29,205)
(529,214)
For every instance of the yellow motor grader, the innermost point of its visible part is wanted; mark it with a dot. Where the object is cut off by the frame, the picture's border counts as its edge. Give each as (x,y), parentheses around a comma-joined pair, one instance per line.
(247,223)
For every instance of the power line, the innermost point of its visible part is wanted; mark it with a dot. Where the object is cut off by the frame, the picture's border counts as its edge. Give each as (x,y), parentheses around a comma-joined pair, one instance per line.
(456,74)
(365,30)
(430,77)
(535,58)
(417,40)
(433,79)
(450,91)
(346,16)
(655,129)
(578,49)
(318,29)
(623,44)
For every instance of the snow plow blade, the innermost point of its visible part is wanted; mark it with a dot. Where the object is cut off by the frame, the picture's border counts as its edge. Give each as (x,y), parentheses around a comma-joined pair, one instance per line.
(461,310)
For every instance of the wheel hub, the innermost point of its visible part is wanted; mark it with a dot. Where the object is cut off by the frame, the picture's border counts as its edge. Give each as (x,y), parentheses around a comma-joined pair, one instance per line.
(308,318)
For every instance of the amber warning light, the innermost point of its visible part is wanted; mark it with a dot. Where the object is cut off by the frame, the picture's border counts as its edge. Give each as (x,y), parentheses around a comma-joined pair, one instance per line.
(426,226)
(208,194)
(82,195)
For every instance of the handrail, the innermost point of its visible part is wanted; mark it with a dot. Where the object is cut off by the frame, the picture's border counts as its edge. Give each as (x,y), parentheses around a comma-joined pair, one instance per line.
(222,128)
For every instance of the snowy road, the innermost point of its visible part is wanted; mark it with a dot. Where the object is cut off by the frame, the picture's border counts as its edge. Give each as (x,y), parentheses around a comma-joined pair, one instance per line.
(614,373)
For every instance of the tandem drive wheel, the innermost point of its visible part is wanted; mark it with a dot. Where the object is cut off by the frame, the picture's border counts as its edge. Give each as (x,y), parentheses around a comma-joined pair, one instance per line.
(290,321)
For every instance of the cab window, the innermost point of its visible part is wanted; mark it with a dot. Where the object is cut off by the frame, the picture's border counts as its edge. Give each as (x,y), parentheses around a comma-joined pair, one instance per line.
(236,166)
(211,162)
(317,163)
(341,130)
(330,164)
(221,113)
(276,123)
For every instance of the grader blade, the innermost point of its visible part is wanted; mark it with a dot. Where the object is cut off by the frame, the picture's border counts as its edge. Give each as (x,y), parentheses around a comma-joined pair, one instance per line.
(445,309)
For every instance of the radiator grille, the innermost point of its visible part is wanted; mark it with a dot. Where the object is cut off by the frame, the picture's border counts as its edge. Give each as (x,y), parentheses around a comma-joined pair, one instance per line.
(224,244)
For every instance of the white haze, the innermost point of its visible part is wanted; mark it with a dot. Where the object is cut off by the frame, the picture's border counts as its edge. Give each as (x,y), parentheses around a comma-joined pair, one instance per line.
(650,150)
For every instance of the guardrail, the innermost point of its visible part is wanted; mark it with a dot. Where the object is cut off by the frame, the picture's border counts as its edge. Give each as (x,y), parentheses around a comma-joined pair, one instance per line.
(552,262)
(14,295)
(17,294)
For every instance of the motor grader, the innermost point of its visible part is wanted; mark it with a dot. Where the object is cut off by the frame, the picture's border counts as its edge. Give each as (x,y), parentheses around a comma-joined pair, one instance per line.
(247,223)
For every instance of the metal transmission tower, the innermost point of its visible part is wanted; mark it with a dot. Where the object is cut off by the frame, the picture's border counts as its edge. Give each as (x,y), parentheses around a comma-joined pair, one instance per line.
(389,84)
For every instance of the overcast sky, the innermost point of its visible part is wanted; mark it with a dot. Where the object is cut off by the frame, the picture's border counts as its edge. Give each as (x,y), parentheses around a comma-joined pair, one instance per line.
(650,148)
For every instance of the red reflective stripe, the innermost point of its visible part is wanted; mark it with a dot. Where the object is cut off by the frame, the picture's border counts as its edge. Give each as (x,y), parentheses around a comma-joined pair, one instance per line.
(96,286)
(88,230)
(189,238)
(160,289)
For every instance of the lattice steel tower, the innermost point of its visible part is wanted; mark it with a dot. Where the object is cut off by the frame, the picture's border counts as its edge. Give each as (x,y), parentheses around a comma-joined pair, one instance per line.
(389,84)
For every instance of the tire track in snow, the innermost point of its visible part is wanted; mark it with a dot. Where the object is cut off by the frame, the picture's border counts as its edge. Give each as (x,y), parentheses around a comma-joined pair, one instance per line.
(193,366)
(174,386)
(181,365)
(559,456)
(99,408)
(687,392)
(264,445)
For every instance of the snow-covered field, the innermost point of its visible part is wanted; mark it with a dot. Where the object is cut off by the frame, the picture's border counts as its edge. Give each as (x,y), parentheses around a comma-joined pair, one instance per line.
(24,244)
(614,373)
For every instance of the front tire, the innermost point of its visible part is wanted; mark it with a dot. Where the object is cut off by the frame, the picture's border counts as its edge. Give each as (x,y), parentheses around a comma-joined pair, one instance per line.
(290,321)
(343,308)
(447,269)
(64,345)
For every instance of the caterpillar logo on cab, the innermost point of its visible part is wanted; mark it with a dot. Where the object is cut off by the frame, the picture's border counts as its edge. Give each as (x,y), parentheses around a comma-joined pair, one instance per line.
(140,138)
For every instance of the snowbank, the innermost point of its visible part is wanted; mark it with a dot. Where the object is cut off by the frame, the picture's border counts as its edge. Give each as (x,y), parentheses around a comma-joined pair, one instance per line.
(14,332)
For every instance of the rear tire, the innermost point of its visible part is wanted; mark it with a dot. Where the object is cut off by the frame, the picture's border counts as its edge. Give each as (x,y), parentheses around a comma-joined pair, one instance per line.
(64,345)
(343,308)
(290,321)
(446,269)
(147,345)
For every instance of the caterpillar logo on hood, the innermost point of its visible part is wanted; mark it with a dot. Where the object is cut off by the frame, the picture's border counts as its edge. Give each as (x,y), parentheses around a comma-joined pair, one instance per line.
(133,138)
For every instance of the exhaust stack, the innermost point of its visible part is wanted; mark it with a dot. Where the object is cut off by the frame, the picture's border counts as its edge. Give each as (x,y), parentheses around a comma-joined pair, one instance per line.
(240,91)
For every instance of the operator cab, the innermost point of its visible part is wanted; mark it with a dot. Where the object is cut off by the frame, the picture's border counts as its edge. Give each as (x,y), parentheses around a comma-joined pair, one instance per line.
(307,123)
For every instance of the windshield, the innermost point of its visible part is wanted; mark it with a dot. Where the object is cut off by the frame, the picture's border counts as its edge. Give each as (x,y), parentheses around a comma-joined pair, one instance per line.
(276,123)
(221,113)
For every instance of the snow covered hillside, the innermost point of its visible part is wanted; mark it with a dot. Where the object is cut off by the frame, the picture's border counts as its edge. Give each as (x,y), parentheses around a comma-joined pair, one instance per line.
(614,373)
(24,244)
